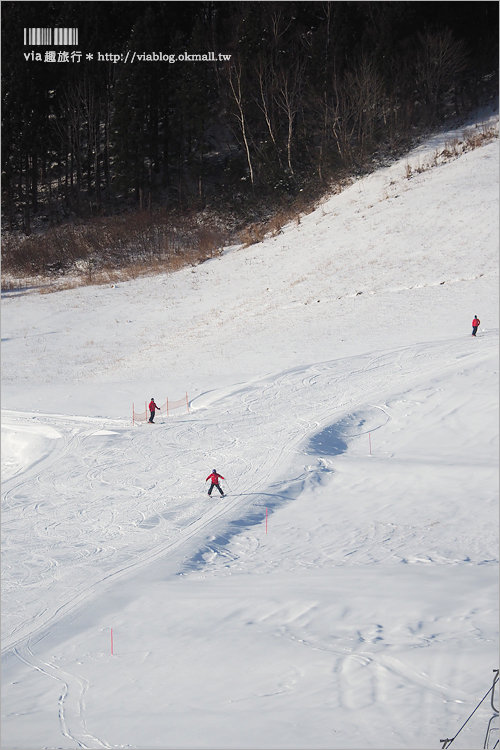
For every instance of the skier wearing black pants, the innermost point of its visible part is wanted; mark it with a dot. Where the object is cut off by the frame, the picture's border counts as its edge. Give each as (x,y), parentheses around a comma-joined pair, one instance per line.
(475,325)
(152,407)
(214,477)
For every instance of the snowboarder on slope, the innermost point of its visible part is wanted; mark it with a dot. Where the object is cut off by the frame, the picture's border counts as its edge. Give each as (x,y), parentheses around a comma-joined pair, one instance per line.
(475,325)
(214,477)
(152,406)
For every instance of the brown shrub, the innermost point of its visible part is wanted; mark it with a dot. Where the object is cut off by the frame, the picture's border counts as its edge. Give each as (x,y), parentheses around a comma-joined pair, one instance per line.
(115,243)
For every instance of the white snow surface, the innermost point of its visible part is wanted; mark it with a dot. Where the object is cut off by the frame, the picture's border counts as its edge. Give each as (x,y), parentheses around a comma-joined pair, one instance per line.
(344,593)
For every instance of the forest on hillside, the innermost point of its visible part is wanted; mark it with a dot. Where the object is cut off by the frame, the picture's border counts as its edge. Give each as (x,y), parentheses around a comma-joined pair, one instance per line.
(230,106)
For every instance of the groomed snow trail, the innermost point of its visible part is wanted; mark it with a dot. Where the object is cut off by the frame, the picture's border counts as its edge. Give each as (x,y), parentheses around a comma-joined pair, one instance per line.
(110,498)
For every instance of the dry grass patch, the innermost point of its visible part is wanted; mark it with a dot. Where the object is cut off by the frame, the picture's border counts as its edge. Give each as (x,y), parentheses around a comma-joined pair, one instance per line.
(113,249)
(472,138)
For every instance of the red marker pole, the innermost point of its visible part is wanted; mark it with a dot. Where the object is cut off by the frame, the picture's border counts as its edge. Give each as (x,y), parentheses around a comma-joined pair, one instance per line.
(111,641)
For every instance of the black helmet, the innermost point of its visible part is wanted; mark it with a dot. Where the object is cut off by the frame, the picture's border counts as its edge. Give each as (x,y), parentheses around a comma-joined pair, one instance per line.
(214,471)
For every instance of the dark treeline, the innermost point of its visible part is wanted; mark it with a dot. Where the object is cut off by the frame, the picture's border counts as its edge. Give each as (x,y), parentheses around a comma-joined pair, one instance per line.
(312,90)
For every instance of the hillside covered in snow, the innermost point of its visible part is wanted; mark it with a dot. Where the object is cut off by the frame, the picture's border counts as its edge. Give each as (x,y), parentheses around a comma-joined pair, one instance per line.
(344,592)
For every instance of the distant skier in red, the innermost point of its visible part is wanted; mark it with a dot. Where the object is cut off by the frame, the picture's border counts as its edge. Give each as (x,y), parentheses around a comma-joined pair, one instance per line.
(152,406)
(475,325)
(214,477)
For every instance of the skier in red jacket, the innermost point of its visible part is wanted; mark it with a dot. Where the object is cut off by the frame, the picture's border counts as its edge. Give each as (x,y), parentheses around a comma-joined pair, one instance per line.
(152,406)
(214,477)
(475,325)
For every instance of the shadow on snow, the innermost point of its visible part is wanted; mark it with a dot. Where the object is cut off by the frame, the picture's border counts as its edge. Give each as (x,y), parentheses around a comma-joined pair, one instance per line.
(330,441)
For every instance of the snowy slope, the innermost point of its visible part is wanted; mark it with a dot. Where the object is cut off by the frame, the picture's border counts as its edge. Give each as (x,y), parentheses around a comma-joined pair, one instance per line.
(344,593)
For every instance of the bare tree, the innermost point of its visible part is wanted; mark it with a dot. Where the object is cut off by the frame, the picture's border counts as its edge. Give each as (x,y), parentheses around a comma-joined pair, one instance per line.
(357,104)
(288,99)
(90,107)
(235,76)
(439,60)
(266,75)
(343,118)
(366,92)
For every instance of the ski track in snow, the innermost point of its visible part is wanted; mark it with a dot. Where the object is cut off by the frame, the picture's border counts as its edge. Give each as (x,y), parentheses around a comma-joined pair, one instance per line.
(71,701)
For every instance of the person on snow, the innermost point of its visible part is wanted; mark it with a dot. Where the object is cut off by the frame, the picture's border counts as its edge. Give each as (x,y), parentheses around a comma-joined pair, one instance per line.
(152,407)
(214,477)
(475,325)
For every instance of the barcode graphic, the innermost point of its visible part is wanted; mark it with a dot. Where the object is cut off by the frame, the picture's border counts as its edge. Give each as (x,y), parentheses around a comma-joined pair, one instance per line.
(49,37)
